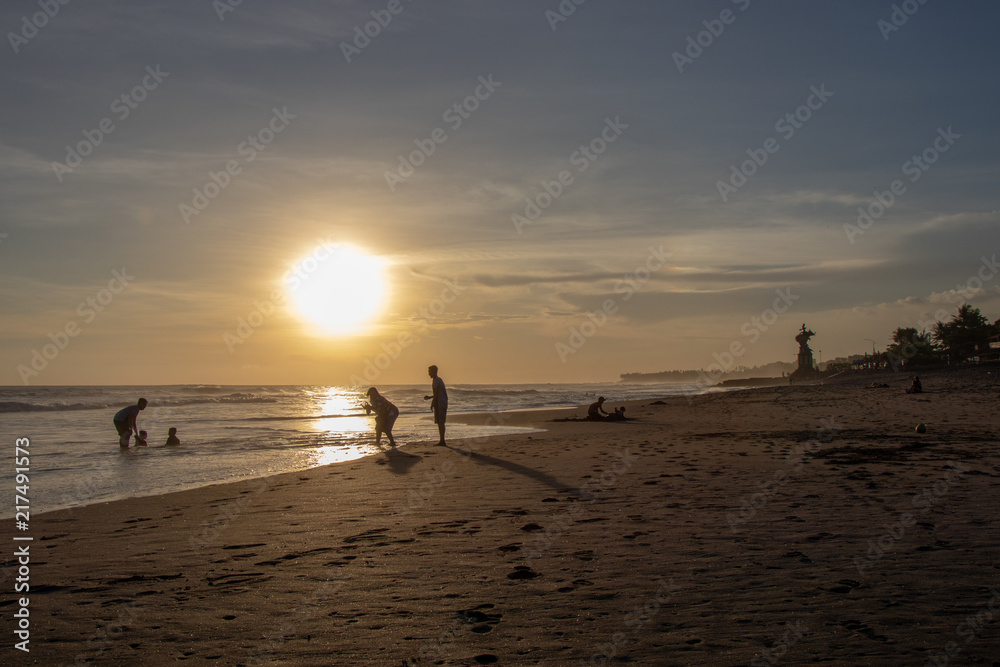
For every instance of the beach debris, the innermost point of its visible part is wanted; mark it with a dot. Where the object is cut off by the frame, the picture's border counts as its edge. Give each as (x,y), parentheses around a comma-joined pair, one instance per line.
(921,428)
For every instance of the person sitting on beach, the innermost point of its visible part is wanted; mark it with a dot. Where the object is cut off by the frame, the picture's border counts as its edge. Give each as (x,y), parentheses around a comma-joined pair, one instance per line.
(140,440)
(916,387)
(172,439)
(385,415)
(596,410)
(125,422)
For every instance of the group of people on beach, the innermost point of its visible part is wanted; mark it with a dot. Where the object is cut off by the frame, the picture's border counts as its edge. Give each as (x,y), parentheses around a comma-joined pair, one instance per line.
(126,423)
(126,419)
(386,413)
(916,387)
(597,413)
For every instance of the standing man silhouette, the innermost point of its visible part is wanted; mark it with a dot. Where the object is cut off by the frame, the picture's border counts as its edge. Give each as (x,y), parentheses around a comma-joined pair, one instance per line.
(439,400)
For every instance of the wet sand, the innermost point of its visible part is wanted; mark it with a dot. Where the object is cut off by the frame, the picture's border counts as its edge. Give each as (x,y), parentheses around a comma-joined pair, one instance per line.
(795,524)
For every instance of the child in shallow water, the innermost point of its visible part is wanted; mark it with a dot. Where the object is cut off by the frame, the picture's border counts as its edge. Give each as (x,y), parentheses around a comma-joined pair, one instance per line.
(172,439)
(140,440)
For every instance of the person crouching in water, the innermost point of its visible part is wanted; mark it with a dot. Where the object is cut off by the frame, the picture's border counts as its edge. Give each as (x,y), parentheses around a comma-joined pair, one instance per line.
(385,415)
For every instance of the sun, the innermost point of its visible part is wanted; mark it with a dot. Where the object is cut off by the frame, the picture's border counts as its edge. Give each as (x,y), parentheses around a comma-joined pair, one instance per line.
(337,288)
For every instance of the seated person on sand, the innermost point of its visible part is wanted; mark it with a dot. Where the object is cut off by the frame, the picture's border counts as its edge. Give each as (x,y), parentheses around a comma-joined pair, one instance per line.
(618,415)
(385,415)
(172,439)
(140,440)
(916,387)
(596,410)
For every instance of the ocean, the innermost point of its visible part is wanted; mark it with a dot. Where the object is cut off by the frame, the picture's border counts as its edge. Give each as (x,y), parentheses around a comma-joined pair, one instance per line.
(229,433)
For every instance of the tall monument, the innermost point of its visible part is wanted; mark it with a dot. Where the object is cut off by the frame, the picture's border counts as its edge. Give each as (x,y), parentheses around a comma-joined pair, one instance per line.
(805,368)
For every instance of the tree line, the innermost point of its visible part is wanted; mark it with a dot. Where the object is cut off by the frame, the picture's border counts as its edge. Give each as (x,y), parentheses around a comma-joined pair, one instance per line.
(965,336)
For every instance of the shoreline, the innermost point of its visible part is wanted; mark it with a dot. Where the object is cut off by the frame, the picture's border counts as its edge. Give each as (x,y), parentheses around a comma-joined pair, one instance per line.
(708,530)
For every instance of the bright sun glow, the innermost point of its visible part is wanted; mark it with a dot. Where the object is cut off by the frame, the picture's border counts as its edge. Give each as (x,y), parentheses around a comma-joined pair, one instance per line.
(337,288)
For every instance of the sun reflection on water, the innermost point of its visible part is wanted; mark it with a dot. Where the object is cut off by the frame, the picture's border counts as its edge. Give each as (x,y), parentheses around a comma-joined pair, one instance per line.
(322,456)
(340,417)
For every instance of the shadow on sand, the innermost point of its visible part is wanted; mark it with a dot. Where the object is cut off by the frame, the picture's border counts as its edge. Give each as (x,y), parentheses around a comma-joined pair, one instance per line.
(399,462)
(538,476)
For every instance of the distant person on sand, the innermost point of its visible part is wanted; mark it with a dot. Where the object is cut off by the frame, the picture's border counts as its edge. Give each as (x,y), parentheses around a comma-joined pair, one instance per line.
(439,400)
(596,410)
(916,387)
(125,422)
(385,415)
(140,440)
(172,439)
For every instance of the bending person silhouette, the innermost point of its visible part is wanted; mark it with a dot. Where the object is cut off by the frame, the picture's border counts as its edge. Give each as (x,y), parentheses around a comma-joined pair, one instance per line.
(125,422)
(385,415)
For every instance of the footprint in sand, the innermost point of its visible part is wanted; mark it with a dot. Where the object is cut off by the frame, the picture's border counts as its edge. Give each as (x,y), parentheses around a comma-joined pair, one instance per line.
(523,572)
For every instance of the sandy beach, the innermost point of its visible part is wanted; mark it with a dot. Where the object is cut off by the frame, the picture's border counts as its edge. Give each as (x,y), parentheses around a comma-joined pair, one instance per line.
(792,524)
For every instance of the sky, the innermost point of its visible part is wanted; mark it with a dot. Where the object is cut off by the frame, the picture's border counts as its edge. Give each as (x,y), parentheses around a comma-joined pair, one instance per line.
(546,191)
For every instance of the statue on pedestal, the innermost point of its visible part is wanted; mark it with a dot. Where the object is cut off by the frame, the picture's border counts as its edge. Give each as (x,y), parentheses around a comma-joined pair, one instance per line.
(806,367)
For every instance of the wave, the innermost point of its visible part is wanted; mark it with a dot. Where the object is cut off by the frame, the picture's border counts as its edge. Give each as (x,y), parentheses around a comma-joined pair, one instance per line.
(492,392)
(240,398)
(17,406)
